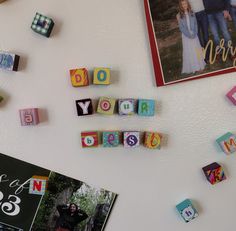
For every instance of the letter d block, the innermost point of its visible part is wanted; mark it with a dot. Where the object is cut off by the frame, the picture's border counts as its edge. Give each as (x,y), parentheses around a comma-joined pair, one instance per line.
(227,143)
(89,139)
(101,76)
(131,139)
(79,77)
(146,107)
(84,107)
(187,210)
(38,185)
(29,116)
(152,140)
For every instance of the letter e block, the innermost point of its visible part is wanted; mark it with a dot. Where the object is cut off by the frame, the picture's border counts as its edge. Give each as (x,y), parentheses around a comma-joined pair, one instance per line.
(79,77)
(131,139)
(89,139)
(38,185)
(152,140)
(146,107)
(84,107)
(110,139)
(29,116)
(231,95)
(106,106)
(227,143)
(101,76)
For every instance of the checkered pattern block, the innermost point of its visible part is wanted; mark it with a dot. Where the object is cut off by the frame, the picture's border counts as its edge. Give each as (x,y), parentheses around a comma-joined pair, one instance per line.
(38,185)
(42,25)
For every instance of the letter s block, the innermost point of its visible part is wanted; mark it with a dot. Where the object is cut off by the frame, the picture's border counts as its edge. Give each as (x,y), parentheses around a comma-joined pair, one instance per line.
(29,116)
(227,143)
(131,139)
(101,76)
(152,140)
(79,77)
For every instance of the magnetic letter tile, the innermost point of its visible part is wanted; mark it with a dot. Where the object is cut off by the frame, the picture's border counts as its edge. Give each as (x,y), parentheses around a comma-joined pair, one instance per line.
(110,139)
(146,107)
(29,116)
(79,77)
(152,140)
(131,139)
(9,61)
(214,173)
(126,106)
(42,25)
(101,76)
(38,185)
(106,106)
(232,95)
(187,210)
(89,139)
(84,107)
(227,142)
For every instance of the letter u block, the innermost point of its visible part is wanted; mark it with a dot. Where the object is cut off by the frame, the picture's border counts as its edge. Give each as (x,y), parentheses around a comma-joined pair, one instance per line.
(38,185)
(146,107)
(29,116)
(79,77)
(227,143)
(101,76)
(152,140)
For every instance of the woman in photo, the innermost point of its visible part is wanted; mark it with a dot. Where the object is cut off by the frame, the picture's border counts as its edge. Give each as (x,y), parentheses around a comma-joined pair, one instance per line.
(193,58)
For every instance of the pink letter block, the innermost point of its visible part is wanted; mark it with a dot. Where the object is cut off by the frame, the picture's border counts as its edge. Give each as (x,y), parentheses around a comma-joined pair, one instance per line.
(232,95)
(29,116)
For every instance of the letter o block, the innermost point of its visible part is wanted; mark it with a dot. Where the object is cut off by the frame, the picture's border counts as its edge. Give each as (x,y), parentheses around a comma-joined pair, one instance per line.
(29,116)
(101,76)
(106,106)
(152,140)
(79,77)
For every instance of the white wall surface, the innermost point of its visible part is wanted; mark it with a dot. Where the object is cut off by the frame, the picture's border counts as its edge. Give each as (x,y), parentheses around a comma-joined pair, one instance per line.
(112,33)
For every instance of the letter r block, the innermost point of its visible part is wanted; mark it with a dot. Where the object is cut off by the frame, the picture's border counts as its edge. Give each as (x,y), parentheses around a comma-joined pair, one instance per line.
(101,76)
(79,77)
(227,143)
(146,107)
(84,107)
(29,116)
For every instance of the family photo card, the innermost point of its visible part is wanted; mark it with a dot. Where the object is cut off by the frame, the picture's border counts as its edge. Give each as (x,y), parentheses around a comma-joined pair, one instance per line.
(191,39)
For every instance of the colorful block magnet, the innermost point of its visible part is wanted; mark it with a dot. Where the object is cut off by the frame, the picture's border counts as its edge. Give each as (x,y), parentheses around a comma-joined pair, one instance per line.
(42,25)
(187,210)
(152,140)
(131,139)
(101,76)
(9,61)
(126,106)
(227,142)
(38,185)
(89,139)
(232,95)
(29,116)
(84,107)
(214,173)
(146,107)
(106,106)
(79,77)
(111,139)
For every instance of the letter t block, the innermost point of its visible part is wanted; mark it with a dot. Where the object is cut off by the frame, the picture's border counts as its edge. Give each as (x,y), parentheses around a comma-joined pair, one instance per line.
(29,116)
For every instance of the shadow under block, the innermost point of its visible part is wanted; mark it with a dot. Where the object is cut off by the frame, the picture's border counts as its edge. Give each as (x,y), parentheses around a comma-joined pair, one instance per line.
(9,61)
(106,106)
(214,173)
(110,139)
(38,185)
(101,76)
(152,140)
(146,107)
(89,139)
(131,139)
(126,106)
(227,143)
(79,77)
(84,107)
(42,25)
(231,95)
(187,210)
(29,116)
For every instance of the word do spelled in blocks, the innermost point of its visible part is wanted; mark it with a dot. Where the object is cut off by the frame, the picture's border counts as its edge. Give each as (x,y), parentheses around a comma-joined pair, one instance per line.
(227,143)
(131,139)
(146,107)
(231,95)
(187,210)
(29,116)
(9,61)
(152,140)
(126,106)
(84,107)
(106,106)
(89,139)
(110,139)
(79,77)
(42,25)
(214,173)
(38,185)
(101,76)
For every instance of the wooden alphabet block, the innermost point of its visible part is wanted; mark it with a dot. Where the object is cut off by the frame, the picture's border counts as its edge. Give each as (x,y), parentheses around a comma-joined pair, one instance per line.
(231,95)
(101,76)
(106,106)
(126,106)
(152,140)
(42,25)
(146,107)
(29,116)
(84,107)
(131,139)
(38,185)
(79,77)
(111,139)
(187,210)
(9,61)
(89,139)
(227,142)
(214,173)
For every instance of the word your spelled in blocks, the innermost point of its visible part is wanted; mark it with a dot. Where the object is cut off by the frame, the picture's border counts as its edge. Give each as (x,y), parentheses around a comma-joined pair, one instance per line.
(89,139)
(214,173)
(9,61)
(187,210)
(84,107)
(152,140)
(101,76)
(232,95)
(29,116)
(131,139)
(106,106)
(42,25)
(110,139)
(79,77)
(38,185)
(126,106)
(227,142)
(146,107)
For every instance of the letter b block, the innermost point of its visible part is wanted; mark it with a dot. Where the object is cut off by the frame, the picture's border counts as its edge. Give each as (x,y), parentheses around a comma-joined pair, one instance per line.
(84,107)
(101,76)
(146,107)
(227,142)
(29,116)
(79,77)
(152,140)
(89,139)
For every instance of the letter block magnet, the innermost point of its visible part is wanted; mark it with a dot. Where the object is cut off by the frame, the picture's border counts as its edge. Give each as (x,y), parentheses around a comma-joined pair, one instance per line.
(231,95)
(101,76)
(79,77)
(106,106)
(146,107)
(29,116)
(214,173)
(38,185)
(187,210)
(126,106)
(111,139)
(131,139)
(84,107)
(227,143)
(152,140)
(9,61)
(89,139)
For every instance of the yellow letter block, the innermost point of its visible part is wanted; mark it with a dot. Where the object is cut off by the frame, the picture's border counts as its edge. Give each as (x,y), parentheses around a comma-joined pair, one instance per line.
(106,106)
(79,77)
(101,76)
(152,140)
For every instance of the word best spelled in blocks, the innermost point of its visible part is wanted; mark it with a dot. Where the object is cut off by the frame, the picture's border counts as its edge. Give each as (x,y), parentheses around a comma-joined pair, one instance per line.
(9,61)
(227,142)
(187,210)
(79,77)
(146,107)
(89,139)
(110,139)
(29,116)
(84,107)
(131,139)
(231,95)
(42,25)
(101,76)
(152,140)
(214,173)
(126,106)
(106,106)
(38,185)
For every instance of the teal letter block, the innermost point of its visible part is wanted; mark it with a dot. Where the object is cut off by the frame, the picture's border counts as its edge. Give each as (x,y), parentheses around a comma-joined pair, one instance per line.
(110,139)
(146,107)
